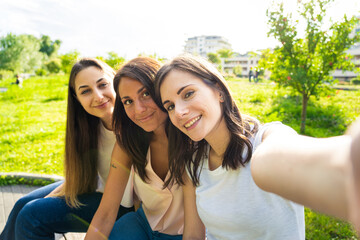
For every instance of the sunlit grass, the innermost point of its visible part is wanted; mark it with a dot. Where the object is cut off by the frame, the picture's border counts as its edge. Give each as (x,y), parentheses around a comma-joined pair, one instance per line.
(32,122)
(32,128)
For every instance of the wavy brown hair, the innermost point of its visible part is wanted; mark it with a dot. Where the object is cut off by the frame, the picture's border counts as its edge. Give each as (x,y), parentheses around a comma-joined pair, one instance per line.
(185,153)
(133,138)
(81,141)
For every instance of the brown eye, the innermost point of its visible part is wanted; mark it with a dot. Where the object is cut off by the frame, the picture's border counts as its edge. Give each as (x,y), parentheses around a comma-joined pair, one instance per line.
(189,94)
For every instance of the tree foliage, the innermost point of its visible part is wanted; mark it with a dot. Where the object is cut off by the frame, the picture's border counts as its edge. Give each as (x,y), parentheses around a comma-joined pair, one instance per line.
(20,53)
(26,53)
(305,64)
(214,58)
(225,53)
(68,60)
(237,70)
(49,47)
(114,60)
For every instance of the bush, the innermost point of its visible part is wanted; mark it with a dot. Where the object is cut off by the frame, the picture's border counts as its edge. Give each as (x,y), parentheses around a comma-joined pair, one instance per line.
(5,74)
(355,81)
(54,66)
(40,72)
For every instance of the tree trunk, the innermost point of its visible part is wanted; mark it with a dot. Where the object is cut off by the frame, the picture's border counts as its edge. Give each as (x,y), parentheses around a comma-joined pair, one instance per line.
(305,99)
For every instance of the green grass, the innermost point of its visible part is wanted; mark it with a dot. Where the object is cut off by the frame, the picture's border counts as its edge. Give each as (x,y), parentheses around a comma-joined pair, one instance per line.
(32,132)
(32,120)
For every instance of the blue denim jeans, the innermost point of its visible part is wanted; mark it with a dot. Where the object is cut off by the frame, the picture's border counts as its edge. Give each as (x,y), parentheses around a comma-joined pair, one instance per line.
(36,217)
(135,226)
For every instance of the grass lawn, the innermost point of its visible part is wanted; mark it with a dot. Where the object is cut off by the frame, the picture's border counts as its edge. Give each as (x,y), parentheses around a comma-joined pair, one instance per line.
(32,132)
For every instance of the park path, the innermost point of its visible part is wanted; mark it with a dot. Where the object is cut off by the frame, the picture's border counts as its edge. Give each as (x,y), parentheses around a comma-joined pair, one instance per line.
(10,194)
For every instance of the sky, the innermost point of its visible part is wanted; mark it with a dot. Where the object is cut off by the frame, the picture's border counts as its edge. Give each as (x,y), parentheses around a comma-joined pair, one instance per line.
(95,27)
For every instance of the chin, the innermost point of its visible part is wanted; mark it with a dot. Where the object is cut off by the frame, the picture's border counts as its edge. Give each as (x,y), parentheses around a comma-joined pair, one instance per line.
(195,139)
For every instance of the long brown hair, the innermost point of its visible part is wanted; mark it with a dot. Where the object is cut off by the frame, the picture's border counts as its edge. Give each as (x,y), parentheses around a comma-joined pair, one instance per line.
(81,141)
(181,148)
(133,138)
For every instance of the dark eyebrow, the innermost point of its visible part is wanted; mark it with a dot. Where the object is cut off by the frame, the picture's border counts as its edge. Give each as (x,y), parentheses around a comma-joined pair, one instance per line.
(85,86)
(138,91)
(178,92)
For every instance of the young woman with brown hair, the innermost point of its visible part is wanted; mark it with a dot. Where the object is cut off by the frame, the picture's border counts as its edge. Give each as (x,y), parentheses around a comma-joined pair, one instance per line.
(142,149)
(211,144)
(70,205)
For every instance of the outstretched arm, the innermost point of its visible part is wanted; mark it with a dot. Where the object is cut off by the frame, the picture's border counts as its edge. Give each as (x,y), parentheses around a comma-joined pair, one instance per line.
(105,216)
(311,171)
(354,193)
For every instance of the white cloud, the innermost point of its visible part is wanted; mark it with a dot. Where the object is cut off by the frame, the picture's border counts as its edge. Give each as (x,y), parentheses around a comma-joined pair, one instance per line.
(131,27)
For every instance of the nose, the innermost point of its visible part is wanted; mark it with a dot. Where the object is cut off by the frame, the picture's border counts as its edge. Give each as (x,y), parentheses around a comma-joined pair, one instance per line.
(99,96)
(139,107)
(181,110)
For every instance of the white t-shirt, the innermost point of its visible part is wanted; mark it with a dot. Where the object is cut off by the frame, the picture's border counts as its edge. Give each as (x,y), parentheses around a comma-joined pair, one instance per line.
(106,144)
(231,206)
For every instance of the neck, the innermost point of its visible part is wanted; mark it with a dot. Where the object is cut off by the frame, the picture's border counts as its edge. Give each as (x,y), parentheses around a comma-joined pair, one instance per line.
(219,139)
(159,134)
(107,122)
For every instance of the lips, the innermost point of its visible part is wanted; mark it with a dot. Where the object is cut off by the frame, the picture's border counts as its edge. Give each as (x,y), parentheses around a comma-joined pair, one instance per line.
(102,105)
(190,123)
(144,119)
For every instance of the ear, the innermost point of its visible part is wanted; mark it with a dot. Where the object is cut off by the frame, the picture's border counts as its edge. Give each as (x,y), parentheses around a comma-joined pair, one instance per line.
(221,97)
(219,92)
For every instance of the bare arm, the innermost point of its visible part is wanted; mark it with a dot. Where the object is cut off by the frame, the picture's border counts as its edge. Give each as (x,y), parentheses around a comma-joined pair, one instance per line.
(309,171)
(354,193)
(105,216)
(56,191)
(194,228)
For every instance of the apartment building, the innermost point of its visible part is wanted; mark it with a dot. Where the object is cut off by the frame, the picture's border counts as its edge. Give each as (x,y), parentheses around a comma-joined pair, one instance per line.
(246,61)
(202,45)
(354,51)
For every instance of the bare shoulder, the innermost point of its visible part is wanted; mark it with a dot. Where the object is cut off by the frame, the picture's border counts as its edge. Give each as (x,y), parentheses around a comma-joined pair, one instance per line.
(278,131)
(120,157)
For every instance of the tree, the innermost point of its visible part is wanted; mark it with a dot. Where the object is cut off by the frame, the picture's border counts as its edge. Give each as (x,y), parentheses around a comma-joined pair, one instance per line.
(20,53)
(49,47)
(224,54)
(114,60)
(304,64)
(54,65)
(214,58)
(68,60)
(237,70)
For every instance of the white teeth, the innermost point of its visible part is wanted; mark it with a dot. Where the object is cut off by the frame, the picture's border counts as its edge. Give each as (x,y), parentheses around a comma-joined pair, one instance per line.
(189,124)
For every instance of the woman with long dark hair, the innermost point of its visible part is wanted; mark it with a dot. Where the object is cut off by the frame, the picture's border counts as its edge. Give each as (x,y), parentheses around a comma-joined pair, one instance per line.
(141,149)
(69,205)
(210,147)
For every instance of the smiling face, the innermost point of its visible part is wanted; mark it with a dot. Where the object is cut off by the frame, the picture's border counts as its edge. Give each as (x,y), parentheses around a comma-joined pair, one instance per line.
(193,106)
(139,106)
(94,90)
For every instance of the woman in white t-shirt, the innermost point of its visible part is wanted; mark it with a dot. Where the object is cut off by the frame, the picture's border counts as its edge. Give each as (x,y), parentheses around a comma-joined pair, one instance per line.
(211,148)
(69,206)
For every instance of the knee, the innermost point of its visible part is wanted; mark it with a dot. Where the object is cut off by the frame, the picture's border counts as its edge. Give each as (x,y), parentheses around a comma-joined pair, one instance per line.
(129,227)
(19,204)
(27,213)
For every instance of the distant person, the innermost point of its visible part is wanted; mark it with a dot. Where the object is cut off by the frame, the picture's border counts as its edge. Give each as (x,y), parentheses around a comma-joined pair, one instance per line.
(321,173)
(69,206)
(18,80)
(251,74)
(256,77)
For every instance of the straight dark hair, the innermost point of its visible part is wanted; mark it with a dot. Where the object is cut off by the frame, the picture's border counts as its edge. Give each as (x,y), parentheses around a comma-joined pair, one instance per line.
(81,141)
(133,138)
(185,153)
